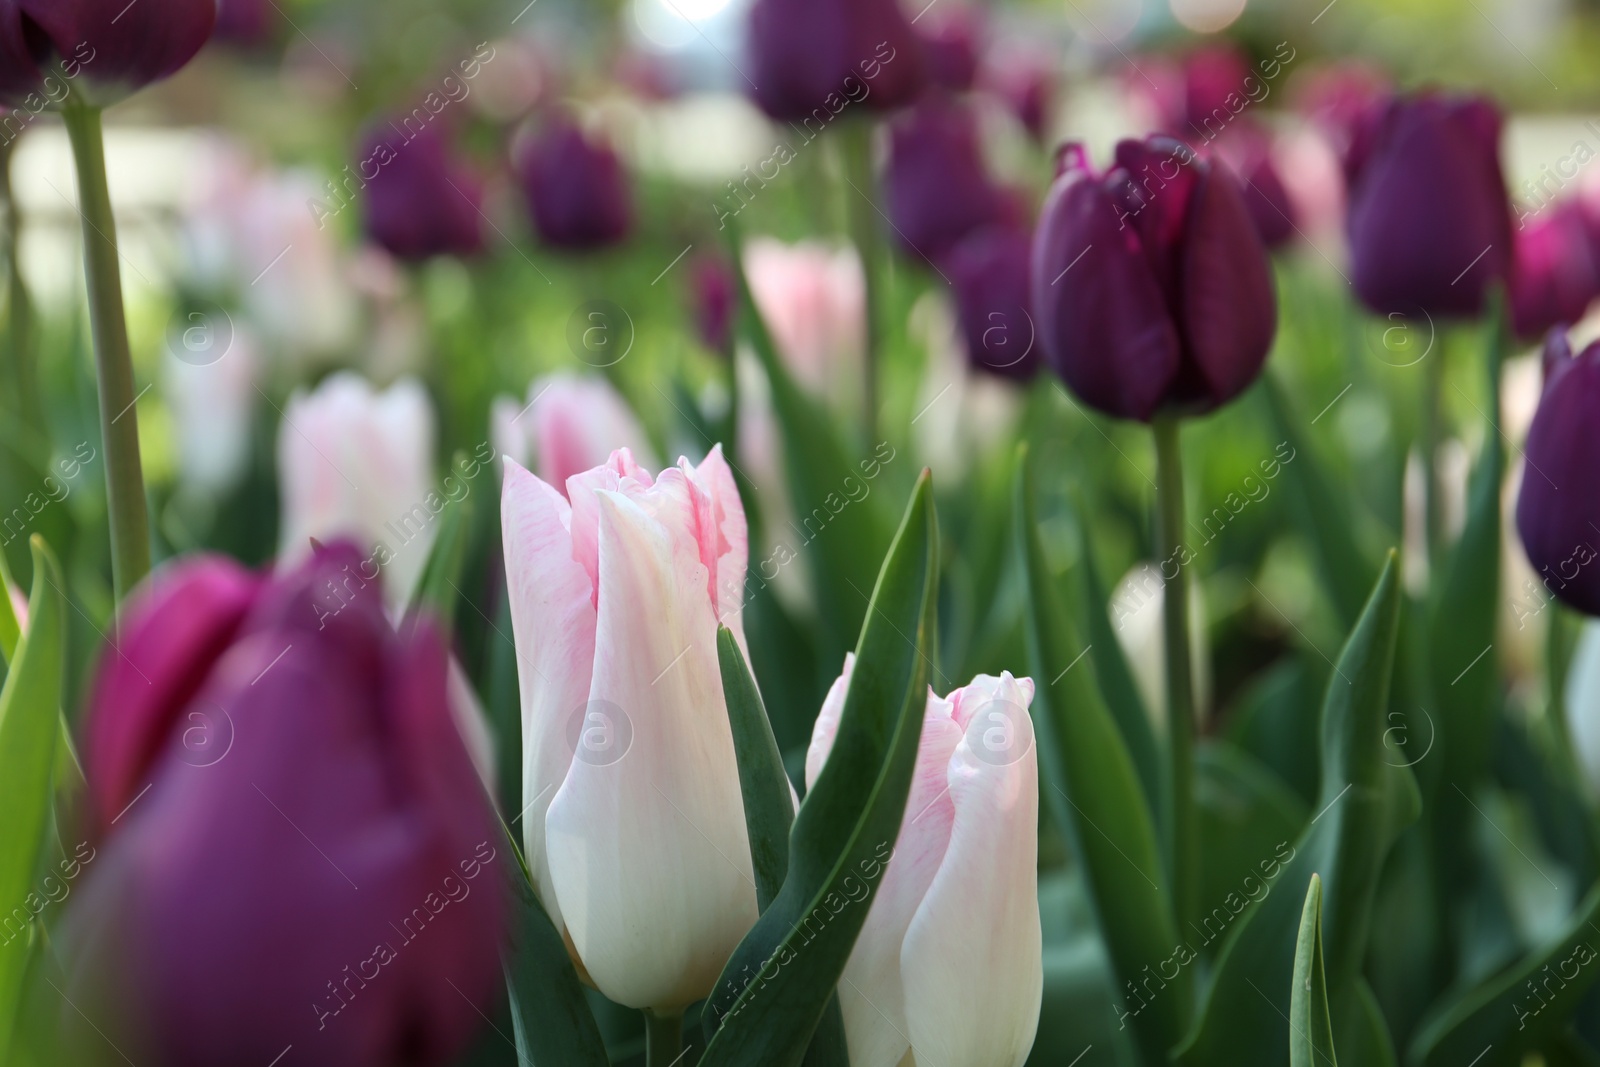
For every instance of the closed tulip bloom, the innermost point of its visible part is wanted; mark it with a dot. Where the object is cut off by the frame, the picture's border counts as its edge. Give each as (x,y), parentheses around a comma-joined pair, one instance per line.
(106,48)
(577,190)
(568,424)
(1429,223)
(357,463)
(949,964)
(813,297)
(1151,286)
(989,277)
(1554,274)
(810,59)
(634,819)
(293,848)
(950,43)
(716,301)
(936,187)
(1558,511)
(420,203)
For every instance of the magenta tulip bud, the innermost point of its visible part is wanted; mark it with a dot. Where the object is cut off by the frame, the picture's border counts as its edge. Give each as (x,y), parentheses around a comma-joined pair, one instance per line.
(420,202)
(989,277)
(1151,286)
(810,59)
(950,44)
(105,48)
(288,788)
(1558,511)
(1419,244)
(936,188)
(1554,273)
(577,191)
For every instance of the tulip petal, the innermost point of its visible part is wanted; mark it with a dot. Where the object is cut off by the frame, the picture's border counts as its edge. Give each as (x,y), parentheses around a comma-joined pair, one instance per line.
(724,536)
(648,849)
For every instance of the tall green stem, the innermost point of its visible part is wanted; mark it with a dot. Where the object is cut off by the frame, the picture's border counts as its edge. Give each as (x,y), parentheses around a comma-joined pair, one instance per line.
(663,1039)
(865,232)
(1432,436)
(1182,854)
(119,422)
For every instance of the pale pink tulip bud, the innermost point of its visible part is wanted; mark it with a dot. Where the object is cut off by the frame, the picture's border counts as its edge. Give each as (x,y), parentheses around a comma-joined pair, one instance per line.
(568,424)
(812,297)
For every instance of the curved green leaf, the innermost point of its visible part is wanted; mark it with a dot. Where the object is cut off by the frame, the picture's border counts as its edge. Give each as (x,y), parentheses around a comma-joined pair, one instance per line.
(1310,1028)
(781,978)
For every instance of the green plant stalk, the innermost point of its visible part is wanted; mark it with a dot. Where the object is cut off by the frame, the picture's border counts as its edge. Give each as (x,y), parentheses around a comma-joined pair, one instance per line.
(862,212)
(1181,837)
(119,421)
(1432,436)
(19,305)
(663,1038)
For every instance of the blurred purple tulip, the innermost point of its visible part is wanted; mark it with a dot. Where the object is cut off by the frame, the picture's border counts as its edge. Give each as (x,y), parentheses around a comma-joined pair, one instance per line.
(810,59)
(989,276)
(936,187)
(108,47)
(1429,223)
(1027,85)
(1151,286)
(1558,510)
(1554,273)
(420,202)
(245,22)
(297,850)
(577,191)
(1210,76)
(1247,150)
(716,299)
(950,44)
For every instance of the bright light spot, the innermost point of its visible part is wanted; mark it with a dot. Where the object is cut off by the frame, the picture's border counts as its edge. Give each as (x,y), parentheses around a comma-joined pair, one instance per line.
(670,24)
(1207,16)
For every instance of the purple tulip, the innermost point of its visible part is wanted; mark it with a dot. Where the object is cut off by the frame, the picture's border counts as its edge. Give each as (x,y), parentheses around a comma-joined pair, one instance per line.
(936,188)
(245,22)
(1554,274)
(1429,223)
(989,275)
(950,48)
(810,59)
(1558,511)
(296,850)
(716,296)
(1151,287)
(109,47)
(1247,151)
(577,190)
(1211,76)
(420,202)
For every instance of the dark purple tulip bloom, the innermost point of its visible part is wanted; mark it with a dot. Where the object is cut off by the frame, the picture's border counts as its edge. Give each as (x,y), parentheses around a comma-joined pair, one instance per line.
(1558,511)
(108,47)
(936,188)
(298,850)
(1151,287)
(810,59)
(577,191)
(989,276)
(1430,226)
(950,48)
(1553,273)
(1248,153)
(716,295)
(420,202)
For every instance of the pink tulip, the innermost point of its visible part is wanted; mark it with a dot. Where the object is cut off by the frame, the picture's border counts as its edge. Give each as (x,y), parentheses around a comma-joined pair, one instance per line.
(633,817)
(949,963)
(566,426)
(813,299)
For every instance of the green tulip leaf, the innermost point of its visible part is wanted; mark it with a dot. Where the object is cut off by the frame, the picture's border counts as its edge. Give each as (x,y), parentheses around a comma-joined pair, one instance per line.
(439,587)
(10,628)
(779,983)
(1094,795)
(1310,1028)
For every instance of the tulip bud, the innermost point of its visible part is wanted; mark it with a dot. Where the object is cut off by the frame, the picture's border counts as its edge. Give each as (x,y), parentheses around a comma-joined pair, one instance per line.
(576,188)
(950,41)
(716,299)
(1558,512)
(1554,274)
(949,961)
(356,463)
(809,59)
(989,275)
(278,780)
(1151,286)
(634,819)
(106,48)
(813,299)
(1429,223)
(936,188)
(568,425)
(420,203)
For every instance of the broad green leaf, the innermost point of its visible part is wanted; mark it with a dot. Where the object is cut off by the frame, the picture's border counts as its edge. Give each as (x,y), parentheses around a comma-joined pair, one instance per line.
(840,534)
(30,721)
(1365,802)
(1095,797)
(1310,1028)
(777,986)
(439,587)
(768,804)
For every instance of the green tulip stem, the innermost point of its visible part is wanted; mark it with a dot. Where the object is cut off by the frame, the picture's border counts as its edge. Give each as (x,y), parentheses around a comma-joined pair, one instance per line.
(862,212)
(1180,824)
(19,305)
(1432,436)
(663,1038)
(119,421)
